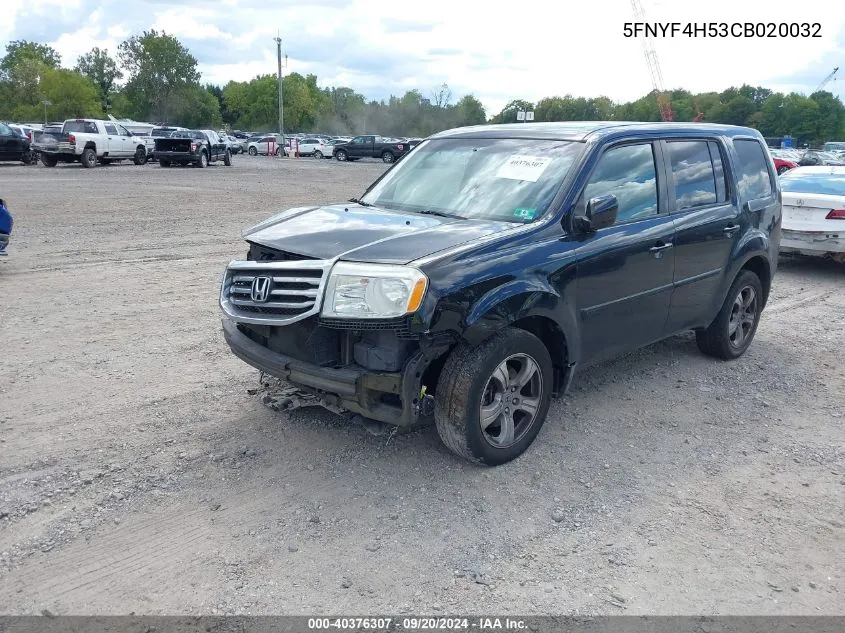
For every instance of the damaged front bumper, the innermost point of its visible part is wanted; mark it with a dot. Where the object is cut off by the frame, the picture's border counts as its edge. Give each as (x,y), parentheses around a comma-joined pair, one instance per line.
(395,398)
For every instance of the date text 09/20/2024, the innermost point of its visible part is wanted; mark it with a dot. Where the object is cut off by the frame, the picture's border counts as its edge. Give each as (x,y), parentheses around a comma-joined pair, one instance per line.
(416,624)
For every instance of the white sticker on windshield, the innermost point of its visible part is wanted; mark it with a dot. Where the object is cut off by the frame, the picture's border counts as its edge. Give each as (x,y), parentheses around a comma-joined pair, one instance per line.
(528,168)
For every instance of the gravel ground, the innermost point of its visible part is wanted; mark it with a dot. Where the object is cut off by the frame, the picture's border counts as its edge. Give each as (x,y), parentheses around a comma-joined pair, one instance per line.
(139,474)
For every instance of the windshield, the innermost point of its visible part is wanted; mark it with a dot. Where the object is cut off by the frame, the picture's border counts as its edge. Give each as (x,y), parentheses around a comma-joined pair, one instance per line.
(187,134)
(825,183)
(508,179)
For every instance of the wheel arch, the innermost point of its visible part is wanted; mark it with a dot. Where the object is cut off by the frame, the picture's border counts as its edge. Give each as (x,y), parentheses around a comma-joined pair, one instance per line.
(760,266)
(536,309)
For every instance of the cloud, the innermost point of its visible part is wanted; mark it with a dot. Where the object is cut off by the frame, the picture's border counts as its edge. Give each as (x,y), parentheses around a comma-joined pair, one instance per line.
(394,25)
(379,47)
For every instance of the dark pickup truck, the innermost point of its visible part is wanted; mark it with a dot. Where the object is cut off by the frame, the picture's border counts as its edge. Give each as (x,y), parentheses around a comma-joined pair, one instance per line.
(484,270)
(198,147)
(389,150)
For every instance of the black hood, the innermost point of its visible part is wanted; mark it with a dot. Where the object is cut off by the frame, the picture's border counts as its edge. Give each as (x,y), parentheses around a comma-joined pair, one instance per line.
(366,234)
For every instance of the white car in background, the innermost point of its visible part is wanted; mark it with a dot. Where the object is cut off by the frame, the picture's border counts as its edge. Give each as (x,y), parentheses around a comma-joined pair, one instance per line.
(234,144)
(814,212)
(270,143)
(312,146)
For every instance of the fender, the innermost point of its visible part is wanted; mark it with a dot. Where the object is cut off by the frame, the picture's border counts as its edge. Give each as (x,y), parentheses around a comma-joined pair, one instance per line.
(517,300)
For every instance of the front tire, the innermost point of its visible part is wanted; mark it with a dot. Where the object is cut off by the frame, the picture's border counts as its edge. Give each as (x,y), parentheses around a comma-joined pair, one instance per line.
(492,400)
(734,327)
(318,155)
(227,159)
(253,151)
(341,155)
(388,157)
(140,157)
(89,158)
(48,161)
(203,161)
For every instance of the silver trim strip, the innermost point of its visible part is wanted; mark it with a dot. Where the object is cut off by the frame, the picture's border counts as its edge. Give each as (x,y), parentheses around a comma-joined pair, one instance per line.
(230,306)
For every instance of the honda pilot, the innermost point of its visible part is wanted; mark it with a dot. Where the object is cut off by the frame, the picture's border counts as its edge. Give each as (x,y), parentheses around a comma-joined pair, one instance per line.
(476,277)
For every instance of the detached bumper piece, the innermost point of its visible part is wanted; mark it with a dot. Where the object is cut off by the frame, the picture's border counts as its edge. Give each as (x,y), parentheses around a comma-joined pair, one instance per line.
(390,397)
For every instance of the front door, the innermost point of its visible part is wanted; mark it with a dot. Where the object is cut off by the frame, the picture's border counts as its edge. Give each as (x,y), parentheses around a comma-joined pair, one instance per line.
(127,141)
(114,146)
(7,141)
(624,272)
(707,227)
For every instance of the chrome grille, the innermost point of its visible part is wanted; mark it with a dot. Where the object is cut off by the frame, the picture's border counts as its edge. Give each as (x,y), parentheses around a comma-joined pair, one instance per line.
(273,293)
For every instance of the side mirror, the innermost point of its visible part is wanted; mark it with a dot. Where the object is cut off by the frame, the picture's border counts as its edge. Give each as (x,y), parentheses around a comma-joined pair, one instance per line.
(601,213)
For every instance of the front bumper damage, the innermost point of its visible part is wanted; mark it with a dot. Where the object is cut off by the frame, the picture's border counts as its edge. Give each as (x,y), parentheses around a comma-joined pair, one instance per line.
(395,398)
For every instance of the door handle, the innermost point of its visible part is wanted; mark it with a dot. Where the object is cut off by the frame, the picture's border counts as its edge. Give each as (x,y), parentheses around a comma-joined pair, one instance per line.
(660,246)
(730,229)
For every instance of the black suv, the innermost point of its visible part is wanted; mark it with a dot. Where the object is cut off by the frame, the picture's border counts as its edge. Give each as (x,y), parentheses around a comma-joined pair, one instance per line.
(476,276)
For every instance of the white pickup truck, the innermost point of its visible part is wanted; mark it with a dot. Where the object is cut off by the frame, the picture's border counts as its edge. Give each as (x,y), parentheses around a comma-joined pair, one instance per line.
(90,141)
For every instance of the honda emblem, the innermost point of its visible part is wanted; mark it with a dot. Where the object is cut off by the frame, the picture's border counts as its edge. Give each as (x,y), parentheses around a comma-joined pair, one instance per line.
(260,290)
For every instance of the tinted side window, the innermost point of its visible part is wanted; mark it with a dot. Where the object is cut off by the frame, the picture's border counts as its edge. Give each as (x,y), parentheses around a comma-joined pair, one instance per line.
(627,172)
(692,169)
(754,180)
(5,130)
(110,129)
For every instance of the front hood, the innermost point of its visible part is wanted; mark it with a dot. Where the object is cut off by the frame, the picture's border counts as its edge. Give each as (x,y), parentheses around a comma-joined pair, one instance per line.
(366,234)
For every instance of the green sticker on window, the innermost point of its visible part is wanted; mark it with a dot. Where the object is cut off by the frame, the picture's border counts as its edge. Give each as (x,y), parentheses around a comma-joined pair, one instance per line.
(525,214)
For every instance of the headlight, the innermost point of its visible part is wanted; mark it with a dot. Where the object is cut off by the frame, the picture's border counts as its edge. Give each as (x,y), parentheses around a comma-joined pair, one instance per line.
(373,291)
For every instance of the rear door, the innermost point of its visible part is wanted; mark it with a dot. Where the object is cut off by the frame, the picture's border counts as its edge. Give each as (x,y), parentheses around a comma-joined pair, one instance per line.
(625,271)
(708,225)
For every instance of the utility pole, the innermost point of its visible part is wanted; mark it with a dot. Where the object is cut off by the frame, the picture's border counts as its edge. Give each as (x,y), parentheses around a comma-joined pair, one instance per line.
(281,102)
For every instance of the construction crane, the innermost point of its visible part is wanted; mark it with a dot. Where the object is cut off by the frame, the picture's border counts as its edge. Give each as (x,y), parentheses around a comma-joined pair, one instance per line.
(663,105)
(827,80)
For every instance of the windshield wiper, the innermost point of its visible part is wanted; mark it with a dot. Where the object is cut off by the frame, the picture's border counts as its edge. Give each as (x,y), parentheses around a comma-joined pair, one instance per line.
(356,201)
(441,214)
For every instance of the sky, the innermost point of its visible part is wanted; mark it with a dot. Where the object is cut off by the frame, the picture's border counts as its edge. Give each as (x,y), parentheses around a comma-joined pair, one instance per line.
(518,50)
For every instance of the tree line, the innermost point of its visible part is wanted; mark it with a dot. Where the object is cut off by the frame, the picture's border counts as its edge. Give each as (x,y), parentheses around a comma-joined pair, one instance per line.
(154,77)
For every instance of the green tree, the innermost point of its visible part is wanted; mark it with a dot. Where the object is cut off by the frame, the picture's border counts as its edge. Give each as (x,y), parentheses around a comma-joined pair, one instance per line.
(100,68)
(830,120)
(69,93)
(197,107)
(469,111)
(159,68)
(20,50)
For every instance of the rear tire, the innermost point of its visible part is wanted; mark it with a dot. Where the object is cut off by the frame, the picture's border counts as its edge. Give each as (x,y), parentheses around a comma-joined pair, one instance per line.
(203,161)
(164,163)
(48,161)
(253,151)
(341,155)
(227,159)
(318,155)
(734,327)
(509,379)
(388,157)
(88,158)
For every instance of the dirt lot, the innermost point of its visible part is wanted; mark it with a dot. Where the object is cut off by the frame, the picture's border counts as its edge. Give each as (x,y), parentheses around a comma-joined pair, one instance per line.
(137,474)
